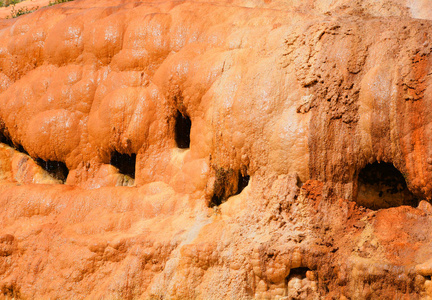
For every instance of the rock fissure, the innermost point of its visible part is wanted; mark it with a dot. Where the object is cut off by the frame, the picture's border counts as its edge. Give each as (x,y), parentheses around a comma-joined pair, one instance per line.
(183,126)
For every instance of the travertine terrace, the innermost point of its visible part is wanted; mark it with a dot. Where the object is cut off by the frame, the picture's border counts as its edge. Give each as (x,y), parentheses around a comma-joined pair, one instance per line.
(217,150)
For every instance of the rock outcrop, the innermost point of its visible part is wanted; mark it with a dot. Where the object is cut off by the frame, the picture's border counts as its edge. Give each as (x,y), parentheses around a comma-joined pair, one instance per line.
(216,150)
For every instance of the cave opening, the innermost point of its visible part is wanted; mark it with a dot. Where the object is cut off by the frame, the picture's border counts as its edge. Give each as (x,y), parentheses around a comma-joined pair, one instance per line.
(217,199)
(56,169)
(7,141)
(297,273)
(242,183)
(228,183)
(381,185)
(299,284)
(125,163)
(183,126)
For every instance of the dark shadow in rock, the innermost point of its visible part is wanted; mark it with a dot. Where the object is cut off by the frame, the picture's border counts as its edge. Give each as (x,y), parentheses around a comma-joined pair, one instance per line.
(125,163)
(182,130)
(242,183)
(56,169)
(228,183)
(381,185)
(7,141)
(297,272)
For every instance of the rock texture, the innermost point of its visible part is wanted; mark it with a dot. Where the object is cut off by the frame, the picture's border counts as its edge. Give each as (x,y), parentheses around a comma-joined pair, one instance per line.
(216,150)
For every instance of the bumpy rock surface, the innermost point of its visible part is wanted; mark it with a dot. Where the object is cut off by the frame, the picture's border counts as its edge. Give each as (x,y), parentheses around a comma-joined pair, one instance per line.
(217,150)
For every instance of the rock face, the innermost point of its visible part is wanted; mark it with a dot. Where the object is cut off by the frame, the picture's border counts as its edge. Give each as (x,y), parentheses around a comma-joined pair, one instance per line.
(217,150)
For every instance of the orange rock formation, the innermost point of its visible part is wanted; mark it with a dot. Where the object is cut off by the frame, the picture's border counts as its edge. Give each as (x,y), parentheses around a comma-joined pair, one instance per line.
(216,150)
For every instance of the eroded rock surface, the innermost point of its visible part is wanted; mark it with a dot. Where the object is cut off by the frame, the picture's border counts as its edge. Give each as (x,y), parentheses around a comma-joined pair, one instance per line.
(216,150)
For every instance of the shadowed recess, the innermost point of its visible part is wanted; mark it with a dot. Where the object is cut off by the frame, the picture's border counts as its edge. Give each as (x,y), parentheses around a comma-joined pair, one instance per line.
(217,200)
(298,273)
(7,141)
(381,185)
(56,169)
(228,183)
(242,183)
(4,139)
(125,163)
(298,284)
(182,130)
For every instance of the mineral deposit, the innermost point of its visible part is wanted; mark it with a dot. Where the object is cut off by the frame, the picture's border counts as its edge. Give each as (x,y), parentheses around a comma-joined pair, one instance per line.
(234,149)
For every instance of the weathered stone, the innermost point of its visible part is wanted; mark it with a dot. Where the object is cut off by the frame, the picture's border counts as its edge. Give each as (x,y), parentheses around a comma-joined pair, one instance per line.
(216,150)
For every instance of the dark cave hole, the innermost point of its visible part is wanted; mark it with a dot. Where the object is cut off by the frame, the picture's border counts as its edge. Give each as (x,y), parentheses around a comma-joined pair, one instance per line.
(7,141)
(56,169)
(381,185)
(182,130)
(298,273)
(295,290)
(125,163)
(224,187)
(242,183)
(217,200)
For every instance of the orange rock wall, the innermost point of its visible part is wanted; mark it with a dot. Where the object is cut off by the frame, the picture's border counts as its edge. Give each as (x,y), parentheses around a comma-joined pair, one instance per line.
(298,96)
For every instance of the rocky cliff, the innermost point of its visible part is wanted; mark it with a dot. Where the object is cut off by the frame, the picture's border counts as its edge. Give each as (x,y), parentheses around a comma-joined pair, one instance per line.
(217,150)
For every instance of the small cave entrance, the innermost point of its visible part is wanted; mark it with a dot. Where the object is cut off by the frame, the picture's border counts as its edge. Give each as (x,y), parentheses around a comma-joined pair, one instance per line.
(183,126)
(125,163)
(228,183)
(4,139)
(300,283)
(381,185)
(217,200)
(56,169)
(7,141)
(299,273)
(242,183)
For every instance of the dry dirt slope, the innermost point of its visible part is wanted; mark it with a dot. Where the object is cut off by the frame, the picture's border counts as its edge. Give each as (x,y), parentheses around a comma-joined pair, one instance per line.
(216,150)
